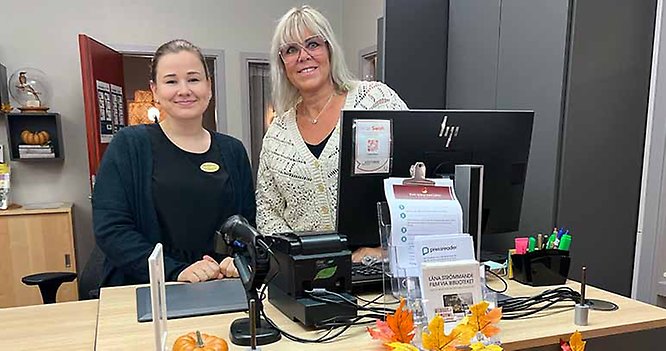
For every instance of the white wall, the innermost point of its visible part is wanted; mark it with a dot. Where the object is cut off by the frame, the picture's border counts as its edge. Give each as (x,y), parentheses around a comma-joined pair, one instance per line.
(359,28)
(43,34)
(650,258)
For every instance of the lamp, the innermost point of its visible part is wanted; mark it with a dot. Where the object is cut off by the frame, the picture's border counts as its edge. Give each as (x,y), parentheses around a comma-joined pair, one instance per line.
(143,110)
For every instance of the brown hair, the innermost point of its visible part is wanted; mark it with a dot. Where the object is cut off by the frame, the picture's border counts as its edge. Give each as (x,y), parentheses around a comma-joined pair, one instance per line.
(173,47)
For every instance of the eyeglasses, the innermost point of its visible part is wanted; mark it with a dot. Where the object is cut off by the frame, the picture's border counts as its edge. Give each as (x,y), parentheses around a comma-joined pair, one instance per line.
(313,46)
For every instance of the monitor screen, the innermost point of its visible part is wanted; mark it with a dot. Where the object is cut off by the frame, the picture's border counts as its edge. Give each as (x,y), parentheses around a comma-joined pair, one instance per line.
(498,140)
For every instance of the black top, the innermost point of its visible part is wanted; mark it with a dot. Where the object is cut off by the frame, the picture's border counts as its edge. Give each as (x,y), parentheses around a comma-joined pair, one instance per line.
(316,150)
(192,196)
(124,215)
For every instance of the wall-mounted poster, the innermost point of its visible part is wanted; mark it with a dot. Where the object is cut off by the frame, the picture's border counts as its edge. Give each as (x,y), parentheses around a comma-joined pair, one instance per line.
(105,112)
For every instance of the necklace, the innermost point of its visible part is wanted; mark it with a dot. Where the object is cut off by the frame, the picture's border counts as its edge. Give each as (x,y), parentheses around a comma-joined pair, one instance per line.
(316,119)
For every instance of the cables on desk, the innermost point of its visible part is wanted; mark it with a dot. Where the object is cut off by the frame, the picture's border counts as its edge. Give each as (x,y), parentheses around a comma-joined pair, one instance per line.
(339,324)
(506,286)
(519,307)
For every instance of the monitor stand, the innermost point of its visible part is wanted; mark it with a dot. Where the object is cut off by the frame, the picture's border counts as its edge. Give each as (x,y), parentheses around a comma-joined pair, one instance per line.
(468,184)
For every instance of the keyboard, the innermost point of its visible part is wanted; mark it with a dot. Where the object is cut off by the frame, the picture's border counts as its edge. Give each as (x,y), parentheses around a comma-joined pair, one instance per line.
(366,277)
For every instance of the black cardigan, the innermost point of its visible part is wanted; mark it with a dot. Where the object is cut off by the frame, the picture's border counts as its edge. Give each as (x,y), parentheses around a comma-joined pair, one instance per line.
(124,217)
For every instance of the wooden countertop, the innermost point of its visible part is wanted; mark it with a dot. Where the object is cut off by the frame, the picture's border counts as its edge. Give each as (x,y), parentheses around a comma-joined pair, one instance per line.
(64,208)
(547,327)
(118,329)
(61,326)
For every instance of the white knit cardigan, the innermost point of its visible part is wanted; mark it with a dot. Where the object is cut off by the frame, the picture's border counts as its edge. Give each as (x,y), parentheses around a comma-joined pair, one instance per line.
(296,191)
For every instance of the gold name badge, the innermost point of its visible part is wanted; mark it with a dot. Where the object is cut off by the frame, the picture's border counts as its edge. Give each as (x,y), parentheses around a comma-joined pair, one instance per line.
(209,167)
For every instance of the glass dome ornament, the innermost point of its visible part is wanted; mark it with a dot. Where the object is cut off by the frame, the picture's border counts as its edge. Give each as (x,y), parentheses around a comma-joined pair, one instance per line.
(31,89)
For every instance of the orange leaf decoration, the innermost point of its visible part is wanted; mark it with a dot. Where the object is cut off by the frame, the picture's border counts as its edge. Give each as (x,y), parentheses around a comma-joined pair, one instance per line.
(398,327)
(402,323)
(381,332)
(482,320)
(575,343)
(436,340)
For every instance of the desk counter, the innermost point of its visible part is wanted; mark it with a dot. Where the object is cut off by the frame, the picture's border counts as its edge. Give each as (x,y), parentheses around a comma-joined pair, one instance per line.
(547,327)
(117,328)
(61,326)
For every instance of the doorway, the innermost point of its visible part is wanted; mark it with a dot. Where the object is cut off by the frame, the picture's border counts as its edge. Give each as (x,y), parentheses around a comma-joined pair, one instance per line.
(260,107)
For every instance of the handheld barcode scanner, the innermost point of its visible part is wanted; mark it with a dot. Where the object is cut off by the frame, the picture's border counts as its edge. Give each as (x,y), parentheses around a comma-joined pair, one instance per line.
(582,309)
(251,256)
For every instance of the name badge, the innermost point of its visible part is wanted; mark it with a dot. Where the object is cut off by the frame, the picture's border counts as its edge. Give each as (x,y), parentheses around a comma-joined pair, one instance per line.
(209,167)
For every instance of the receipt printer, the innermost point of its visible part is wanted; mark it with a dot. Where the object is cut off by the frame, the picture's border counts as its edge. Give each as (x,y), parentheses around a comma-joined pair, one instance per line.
(308,263)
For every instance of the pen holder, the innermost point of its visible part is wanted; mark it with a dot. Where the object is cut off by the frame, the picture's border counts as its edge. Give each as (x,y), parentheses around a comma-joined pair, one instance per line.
(541,267)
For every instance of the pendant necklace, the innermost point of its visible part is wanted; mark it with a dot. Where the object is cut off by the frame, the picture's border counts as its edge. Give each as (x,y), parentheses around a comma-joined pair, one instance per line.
(316,119)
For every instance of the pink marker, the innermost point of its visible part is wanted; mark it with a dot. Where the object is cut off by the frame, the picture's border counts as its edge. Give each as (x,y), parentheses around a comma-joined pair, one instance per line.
(521,245)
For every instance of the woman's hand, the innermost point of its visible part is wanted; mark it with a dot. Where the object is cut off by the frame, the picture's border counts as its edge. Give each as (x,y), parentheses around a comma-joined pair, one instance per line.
(201,271)
(228,268)
(358,255)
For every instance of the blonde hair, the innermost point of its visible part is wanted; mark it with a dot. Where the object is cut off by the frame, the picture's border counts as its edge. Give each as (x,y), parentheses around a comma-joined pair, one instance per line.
(291,28)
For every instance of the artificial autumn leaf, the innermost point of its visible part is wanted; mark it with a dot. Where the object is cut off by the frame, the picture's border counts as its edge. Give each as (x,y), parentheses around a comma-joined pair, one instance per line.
(381,332)
(478,346)
(564,345)
(436,340)
(401,323)
(482,320)
(398,327)
(576,341)
(401,346)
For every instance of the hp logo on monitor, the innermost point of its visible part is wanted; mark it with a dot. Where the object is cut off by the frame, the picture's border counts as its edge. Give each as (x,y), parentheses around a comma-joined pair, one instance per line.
(448,132)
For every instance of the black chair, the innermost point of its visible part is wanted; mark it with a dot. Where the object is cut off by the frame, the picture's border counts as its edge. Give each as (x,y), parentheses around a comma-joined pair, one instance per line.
(50,282)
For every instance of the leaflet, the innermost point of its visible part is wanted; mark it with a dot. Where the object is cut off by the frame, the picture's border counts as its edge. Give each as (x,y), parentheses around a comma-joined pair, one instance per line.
(449,289)
(443,248)
(419,210)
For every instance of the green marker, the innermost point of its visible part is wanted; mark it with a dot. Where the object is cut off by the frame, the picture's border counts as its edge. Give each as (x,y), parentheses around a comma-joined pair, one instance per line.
(551,241)
(565,242)
(532,244)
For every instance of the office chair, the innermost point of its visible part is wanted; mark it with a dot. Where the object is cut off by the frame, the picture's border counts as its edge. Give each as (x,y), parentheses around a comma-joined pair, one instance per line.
(50,282)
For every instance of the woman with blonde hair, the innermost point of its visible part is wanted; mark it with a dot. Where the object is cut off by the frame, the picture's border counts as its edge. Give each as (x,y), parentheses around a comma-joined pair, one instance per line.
(298,167)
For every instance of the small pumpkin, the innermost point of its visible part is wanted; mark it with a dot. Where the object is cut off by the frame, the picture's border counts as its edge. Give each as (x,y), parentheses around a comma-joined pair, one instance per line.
(200,342)
(35,138)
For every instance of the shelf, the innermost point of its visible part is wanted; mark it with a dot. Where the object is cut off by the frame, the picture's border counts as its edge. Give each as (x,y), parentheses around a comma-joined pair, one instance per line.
(34,122)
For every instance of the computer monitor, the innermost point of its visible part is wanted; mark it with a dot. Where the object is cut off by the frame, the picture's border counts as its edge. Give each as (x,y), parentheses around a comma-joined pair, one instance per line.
(498,140)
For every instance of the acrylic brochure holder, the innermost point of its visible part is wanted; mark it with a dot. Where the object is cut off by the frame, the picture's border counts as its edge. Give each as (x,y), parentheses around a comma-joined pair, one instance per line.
(405,281)
(158,297)
(401,286)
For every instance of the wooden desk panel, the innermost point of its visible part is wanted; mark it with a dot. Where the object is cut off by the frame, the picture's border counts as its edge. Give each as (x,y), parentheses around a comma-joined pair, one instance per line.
(35,241)
(118,329)
(61,326)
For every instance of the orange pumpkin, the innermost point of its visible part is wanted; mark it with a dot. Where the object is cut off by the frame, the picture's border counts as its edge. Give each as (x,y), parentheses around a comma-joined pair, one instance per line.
(36,138)
(200,342)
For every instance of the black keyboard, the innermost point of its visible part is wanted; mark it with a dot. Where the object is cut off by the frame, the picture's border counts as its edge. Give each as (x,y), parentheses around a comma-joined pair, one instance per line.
(366,277)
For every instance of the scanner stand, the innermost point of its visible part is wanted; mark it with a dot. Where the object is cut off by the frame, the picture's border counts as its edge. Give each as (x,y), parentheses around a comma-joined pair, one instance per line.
(241,329)
(252,260)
